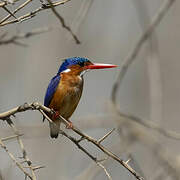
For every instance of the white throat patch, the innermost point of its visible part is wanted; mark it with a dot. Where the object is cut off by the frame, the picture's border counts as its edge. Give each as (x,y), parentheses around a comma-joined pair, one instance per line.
(83,72)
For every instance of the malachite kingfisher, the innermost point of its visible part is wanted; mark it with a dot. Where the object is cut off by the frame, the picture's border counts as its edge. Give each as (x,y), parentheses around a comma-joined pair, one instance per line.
(65,89)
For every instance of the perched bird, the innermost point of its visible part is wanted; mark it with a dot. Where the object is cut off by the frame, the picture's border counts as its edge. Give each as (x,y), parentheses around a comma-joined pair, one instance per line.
(65,89)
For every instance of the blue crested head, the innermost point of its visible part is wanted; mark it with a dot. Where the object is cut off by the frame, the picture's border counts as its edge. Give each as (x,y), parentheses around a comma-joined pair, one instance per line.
(72,61)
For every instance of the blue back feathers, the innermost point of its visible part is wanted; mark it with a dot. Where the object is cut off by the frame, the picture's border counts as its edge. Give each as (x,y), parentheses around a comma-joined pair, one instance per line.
(51,90)
(56,79)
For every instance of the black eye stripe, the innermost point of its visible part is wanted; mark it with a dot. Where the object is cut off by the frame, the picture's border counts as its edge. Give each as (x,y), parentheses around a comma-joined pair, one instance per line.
(81,64)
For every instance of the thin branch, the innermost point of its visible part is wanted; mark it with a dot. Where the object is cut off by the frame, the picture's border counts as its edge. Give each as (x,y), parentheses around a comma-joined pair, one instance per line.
(35,168)
(10,137)
(76,142)
(14,160)
(63,23)
(2,4)
(123,147)
(128,160)
(15,39)
(106,135)
(15,11)
(108,175)
(28,161)
(38,167)
(34,13)
(38,106)
(10,13)
(102,148)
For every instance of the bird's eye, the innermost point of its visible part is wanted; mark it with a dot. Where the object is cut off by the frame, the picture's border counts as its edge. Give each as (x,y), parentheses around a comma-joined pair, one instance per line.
(81,64)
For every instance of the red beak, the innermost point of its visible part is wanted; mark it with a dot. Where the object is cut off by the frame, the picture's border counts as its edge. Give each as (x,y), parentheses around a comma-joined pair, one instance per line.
(100,66)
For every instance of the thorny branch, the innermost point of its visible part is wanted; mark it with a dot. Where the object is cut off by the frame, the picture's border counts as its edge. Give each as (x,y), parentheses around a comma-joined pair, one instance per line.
(41,108)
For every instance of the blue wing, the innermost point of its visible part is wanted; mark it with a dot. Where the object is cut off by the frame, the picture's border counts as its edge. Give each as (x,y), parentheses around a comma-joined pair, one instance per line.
(51,90)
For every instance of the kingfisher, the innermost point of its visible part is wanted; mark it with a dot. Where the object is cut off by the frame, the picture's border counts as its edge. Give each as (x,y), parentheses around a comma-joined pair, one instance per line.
(65,89)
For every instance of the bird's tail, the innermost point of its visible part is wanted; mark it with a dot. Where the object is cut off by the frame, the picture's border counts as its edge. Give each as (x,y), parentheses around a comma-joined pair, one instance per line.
(54,128)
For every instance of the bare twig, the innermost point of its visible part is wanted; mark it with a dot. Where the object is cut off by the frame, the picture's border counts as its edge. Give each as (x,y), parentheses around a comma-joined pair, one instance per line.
(10,137)
(62,21)
(28,161)
(108,175)
(38,167)
(41,108)
(35,168)
(76,142)
(106,135)
(103,149)
(33,13)
(15,11)
(10,13)
(15,39)
(119,148)
(14,160)
(2,4)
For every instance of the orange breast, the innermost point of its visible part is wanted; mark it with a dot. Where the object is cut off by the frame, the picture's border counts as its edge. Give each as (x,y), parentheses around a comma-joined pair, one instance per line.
(67,95)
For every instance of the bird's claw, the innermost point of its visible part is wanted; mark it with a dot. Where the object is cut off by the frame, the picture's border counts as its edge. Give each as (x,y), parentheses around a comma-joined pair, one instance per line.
(55,115)
(69,126)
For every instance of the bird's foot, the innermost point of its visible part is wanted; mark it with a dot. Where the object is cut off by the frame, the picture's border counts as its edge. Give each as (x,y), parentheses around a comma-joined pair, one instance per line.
(55,115)
(70,125)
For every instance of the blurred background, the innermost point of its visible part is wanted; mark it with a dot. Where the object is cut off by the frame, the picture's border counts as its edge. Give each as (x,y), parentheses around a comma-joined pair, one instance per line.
(108,31)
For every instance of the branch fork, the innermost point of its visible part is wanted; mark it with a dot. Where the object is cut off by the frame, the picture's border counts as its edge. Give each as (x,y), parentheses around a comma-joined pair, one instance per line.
(42,109)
